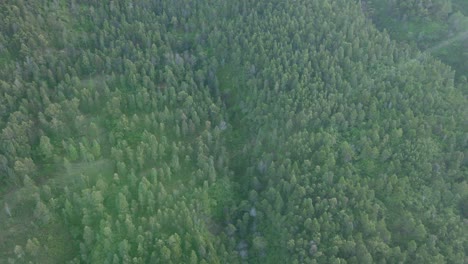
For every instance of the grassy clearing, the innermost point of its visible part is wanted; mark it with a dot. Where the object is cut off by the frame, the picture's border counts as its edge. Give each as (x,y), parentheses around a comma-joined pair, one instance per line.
(55,242)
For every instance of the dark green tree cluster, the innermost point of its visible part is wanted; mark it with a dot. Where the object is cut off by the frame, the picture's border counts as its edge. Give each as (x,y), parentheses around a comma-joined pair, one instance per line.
(351,145)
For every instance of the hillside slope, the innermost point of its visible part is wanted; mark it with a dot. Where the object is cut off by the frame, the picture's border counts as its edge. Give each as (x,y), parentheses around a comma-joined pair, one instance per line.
(228,132)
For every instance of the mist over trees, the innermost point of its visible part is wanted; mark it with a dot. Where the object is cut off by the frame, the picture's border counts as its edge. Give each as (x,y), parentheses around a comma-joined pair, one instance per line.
(305,131)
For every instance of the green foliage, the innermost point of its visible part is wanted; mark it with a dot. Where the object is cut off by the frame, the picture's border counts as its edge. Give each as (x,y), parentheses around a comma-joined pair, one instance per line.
(246,131)
(463,204)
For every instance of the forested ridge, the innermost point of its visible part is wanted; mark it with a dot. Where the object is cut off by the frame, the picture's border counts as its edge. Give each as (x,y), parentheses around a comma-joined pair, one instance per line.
(268,131)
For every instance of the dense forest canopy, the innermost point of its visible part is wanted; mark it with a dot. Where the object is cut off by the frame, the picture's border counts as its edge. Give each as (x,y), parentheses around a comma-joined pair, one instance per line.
(268,131)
